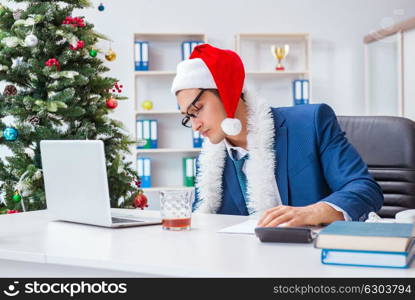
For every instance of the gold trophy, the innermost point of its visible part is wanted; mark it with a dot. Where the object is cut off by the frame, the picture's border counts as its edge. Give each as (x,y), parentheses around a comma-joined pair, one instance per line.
(280,53)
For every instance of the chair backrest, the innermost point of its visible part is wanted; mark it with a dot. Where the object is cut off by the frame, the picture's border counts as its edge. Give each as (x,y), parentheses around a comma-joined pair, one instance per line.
(387,145)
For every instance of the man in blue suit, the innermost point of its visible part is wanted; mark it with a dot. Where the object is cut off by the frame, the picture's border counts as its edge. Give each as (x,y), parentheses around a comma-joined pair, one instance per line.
(293,166)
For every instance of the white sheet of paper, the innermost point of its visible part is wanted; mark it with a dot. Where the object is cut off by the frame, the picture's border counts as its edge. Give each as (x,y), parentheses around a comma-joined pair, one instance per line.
(247,227)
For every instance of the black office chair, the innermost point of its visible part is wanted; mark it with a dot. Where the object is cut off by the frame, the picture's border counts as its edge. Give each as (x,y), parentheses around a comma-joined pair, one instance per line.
(387,145)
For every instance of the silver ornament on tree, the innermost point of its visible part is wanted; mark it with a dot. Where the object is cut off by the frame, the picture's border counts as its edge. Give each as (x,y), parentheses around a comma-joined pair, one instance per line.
(31,40)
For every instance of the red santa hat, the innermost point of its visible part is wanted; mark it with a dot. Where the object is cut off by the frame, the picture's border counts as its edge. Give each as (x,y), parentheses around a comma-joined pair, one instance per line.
(211,67)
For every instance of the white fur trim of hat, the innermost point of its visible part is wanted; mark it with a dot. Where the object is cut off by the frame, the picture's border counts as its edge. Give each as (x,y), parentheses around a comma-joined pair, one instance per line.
(192,73)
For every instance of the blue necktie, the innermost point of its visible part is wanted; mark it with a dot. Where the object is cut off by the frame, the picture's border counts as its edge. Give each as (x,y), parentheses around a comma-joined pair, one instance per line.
(239,163)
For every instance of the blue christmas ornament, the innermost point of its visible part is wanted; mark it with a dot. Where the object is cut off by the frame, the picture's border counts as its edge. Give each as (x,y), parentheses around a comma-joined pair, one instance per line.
(101,7)
(10,134)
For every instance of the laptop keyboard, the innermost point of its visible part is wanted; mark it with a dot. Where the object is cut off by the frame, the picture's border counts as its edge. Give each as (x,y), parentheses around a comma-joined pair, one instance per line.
(121,220)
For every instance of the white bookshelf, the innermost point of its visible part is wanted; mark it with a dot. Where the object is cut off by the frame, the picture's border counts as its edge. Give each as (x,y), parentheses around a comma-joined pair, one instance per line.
(174,140)
(275,86)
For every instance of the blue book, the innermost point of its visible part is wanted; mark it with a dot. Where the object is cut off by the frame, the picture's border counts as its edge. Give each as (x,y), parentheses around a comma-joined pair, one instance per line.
(369,258)
(388,237)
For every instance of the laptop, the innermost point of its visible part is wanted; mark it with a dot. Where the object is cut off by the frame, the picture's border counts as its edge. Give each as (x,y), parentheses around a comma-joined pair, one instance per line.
(76,185)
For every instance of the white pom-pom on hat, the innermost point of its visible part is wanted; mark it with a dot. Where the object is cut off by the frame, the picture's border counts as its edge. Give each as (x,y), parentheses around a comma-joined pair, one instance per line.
(231,126)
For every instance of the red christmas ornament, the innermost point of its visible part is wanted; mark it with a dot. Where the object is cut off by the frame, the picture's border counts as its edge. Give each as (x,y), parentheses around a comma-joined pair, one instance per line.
(75,22)
(68,20)
(112,103)
(52,62)
(79,22)
(11,211)
(80,44)
(140,201)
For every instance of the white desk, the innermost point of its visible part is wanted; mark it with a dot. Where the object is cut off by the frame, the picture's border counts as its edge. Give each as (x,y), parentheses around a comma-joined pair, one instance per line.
(34,246)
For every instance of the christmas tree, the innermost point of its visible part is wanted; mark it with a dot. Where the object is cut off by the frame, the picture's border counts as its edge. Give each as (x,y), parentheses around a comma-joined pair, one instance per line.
(55,90)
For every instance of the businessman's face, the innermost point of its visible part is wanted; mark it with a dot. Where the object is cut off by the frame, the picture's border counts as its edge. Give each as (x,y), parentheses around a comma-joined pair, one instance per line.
(206,113)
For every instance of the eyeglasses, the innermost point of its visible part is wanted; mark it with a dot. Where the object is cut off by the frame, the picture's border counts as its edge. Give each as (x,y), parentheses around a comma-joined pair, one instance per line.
(186,120)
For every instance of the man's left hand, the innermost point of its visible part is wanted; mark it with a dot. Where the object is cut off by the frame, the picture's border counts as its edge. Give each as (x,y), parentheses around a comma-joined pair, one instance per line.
(315,214)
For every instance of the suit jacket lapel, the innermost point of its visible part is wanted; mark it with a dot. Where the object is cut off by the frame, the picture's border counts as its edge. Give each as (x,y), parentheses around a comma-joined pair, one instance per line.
(281,153)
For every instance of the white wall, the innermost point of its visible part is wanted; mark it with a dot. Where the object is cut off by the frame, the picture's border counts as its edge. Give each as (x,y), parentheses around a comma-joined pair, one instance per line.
(409,74)
(337,28)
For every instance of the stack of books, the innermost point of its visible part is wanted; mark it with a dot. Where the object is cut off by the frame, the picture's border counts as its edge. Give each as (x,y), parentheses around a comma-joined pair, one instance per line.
(367,244)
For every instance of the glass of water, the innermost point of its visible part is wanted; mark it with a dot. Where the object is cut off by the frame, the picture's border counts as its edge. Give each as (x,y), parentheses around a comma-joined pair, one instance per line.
(176,208)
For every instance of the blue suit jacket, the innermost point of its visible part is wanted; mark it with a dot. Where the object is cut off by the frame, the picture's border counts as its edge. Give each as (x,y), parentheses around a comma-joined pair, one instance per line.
(314,162)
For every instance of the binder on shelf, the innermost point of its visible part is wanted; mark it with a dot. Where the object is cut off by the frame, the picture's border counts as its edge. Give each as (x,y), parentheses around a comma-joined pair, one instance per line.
(141,60)
(305,91)
(297,91)
(144,171)
(301,91)
(146,133)
(139,129)
(153,134)
(197,139)
(188,171)
(187,48)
